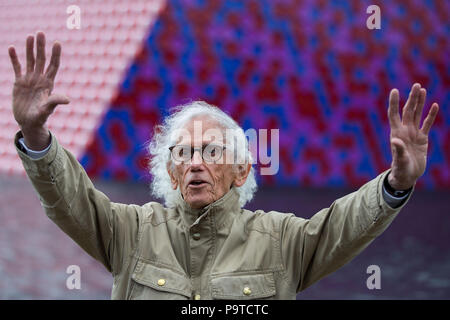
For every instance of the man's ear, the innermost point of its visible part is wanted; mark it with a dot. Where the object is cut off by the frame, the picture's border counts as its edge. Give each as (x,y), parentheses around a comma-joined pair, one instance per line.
(173,179)
(241,175)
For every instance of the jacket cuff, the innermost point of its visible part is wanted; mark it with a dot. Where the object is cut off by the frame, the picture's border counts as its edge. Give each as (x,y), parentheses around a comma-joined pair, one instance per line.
(384,206)
(393,201)
(32,153)
(49,164)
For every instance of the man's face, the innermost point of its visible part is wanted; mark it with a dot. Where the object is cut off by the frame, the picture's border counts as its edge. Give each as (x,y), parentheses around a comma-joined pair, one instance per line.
(200,182)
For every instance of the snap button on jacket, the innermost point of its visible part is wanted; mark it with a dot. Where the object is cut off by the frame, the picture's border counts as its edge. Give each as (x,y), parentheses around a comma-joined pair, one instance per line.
(219,252)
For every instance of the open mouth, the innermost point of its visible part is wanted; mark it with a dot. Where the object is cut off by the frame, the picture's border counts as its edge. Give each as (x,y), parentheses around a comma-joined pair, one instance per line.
(197,184)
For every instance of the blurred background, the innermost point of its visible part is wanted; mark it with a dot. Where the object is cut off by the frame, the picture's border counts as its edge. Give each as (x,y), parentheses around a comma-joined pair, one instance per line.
(310,68)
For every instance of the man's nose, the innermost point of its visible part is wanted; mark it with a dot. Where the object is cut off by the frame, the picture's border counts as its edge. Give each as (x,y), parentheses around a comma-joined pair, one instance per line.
(197,158)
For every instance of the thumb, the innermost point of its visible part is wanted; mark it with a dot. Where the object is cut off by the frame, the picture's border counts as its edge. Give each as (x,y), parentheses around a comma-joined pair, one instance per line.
(398,149)
(54,100)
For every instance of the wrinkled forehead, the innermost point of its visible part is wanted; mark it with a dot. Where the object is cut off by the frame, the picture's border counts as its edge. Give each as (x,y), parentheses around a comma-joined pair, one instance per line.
(199,131)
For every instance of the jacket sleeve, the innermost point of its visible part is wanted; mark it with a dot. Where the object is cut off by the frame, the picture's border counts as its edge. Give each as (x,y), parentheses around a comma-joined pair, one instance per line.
(104,229)
(313,248)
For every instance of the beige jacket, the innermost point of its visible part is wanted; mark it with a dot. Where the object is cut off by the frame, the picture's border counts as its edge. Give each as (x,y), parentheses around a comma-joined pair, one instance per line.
(220,252)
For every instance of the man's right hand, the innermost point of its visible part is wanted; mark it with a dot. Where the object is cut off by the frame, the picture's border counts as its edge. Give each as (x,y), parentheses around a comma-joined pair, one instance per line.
(32,100)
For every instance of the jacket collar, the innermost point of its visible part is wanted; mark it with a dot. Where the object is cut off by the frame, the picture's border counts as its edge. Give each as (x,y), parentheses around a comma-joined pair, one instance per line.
(222,210)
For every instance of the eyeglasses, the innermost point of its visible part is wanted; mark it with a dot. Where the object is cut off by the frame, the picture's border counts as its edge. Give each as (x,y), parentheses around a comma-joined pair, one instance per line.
(210,153)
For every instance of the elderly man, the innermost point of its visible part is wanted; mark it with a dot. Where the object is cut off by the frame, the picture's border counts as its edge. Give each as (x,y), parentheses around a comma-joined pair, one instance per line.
(201,244)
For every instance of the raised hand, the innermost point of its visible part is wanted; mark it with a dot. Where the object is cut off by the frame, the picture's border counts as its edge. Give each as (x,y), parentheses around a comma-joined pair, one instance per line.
(32,100)
(409,141)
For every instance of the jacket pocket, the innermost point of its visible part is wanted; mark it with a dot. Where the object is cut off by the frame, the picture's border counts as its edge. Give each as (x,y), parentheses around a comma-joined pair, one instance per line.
(152,282)
(245,287)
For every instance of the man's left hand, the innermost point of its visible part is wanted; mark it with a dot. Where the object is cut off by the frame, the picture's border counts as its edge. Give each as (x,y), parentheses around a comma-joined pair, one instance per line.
(409,142)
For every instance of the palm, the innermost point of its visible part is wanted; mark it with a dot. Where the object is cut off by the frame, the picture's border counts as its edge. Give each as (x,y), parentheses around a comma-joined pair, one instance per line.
(30,95)
(409,142)
(32,99)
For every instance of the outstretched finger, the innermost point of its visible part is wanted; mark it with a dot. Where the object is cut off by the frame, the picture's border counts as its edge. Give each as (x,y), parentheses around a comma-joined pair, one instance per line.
(393,114)
(419,107)
(40,53)
(410,106)
(15,62)
(53,66)
(30,54)
(429,120)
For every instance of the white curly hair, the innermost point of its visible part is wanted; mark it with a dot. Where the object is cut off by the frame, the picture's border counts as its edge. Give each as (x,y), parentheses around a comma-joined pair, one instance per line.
(161,186)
